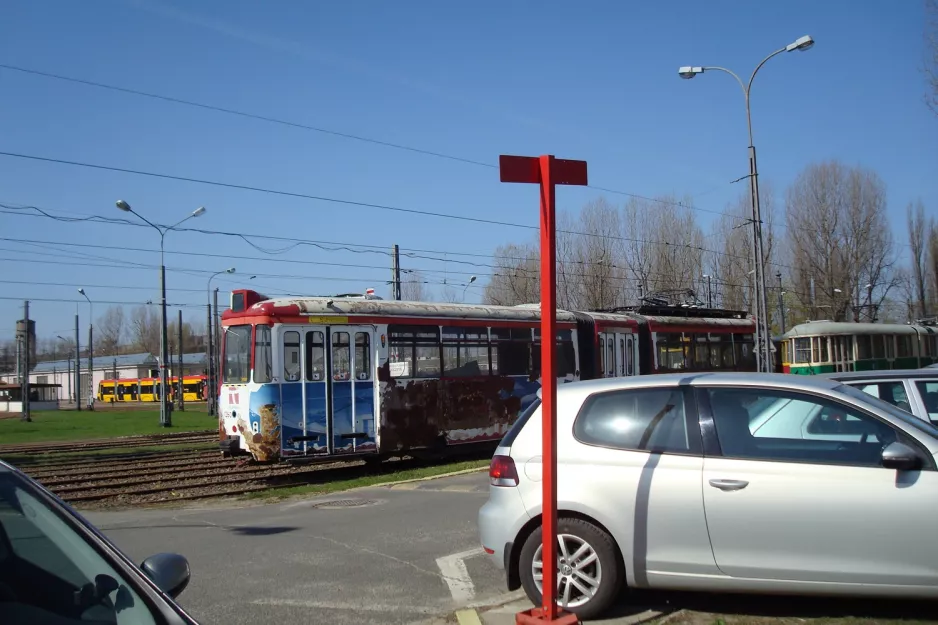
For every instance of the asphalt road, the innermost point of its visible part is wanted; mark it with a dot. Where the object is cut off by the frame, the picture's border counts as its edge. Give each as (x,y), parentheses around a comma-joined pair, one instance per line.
(399,554)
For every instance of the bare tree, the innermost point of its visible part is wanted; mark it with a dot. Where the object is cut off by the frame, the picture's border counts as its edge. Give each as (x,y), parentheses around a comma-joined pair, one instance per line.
(918,234)
(515,277)
(145,329)
(664,245)
(933,265)
(412,287)
(109,331)
(599,259)
(839,237)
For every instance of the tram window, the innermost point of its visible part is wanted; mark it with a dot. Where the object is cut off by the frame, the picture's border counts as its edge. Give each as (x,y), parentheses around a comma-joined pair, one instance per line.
(237,354)
(890,346)
(864,347)
(465,352)
(670,351)
(802,350)
(362,356)
(262,372)
(511,351)
(611,362)
(745,353)
(414,351)
(291,356)
(622,359)
(341,357)
(602,355)
(565,353)
(315,356)
(903,346)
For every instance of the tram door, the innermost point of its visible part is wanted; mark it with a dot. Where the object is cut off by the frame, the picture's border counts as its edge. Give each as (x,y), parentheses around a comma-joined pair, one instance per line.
(334,368)
(617,351)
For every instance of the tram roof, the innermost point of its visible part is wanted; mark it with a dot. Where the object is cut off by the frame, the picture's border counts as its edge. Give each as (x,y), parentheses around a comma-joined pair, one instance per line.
(826,328)
(341,306)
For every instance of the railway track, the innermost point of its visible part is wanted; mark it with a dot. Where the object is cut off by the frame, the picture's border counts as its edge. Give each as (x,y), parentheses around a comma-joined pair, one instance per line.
(156,476)
(144,440)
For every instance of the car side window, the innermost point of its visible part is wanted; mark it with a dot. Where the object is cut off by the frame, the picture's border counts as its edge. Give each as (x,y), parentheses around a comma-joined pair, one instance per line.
(763,424)
(929,393)
(892,392)
(642,420)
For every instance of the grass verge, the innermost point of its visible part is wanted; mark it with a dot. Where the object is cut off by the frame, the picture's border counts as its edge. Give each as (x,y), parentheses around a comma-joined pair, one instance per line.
(37,460)
(72,425)
(274,494)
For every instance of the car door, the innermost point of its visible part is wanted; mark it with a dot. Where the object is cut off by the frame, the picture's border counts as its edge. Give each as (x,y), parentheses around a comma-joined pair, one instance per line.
(794,491)
(636,462)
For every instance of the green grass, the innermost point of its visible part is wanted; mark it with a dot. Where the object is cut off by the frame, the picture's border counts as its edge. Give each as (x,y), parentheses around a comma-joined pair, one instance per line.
(368,480)
(72,425)
(36,461)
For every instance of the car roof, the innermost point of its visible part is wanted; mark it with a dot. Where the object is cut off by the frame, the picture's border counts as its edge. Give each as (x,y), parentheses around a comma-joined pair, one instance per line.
(696,378)
(884,374)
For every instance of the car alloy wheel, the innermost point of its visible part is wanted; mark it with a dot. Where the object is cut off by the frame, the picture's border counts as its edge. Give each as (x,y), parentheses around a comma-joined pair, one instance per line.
(589,569)
(579,571)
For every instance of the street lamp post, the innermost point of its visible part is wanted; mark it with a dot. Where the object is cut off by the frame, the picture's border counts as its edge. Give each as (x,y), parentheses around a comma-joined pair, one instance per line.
(764,357)
(165,419)
(471,280)
(212,385)
(90,350)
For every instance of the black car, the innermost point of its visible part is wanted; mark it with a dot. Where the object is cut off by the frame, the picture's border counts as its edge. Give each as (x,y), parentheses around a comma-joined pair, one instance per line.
(56,568)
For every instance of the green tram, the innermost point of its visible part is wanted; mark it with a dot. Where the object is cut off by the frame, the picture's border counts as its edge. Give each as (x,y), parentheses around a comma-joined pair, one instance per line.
(827,346)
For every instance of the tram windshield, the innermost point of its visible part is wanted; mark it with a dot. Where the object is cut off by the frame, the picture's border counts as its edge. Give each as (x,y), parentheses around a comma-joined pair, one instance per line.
(237,354)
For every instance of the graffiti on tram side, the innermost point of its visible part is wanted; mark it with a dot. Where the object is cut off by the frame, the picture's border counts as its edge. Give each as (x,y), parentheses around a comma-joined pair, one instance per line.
(433,412)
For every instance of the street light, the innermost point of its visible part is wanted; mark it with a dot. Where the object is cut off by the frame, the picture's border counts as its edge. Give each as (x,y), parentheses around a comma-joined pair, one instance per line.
(471,280)
(761,308)
(90,350)
(165,419)
(211,349)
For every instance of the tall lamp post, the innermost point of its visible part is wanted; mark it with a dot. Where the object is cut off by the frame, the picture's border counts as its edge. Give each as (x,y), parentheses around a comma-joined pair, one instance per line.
(90,350)
(471,280)
(165,420)
(764,356)
(212,385)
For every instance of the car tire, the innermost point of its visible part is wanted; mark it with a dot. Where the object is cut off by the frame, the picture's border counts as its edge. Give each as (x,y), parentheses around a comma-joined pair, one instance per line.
(607,569)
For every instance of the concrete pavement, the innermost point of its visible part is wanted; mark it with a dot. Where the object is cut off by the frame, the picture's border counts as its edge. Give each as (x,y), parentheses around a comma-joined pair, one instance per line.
(393,554)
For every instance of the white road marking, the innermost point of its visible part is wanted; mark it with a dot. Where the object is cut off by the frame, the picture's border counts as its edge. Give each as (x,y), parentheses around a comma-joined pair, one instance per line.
(456,575)
(362,606)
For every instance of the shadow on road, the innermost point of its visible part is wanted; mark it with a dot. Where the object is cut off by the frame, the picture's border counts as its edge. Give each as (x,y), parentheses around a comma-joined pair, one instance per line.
(261,531)
(771,607)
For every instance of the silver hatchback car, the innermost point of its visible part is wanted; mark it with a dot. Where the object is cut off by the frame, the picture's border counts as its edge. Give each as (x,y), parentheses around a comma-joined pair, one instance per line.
(720,482)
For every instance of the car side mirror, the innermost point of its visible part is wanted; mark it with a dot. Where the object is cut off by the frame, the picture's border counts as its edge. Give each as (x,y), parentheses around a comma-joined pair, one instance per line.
(902,457)
(169,571)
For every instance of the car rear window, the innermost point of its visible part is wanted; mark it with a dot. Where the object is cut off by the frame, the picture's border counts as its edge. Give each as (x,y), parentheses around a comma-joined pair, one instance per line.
(518,425)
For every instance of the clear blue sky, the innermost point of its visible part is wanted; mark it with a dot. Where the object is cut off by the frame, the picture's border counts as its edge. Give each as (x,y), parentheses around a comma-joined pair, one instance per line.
(596,81)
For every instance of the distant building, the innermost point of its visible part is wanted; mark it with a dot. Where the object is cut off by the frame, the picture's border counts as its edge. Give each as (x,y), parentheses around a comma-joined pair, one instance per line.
(143,365)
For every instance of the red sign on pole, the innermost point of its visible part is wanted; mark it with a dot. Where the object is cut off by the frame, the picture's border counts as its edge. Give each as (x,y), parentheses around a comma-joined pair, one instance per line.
(547,171)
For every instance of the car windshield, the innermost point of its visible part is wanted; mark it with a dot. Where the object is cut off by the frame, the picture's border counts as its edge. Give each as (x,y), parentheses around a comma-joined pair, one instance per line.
(49,573)
(905,417)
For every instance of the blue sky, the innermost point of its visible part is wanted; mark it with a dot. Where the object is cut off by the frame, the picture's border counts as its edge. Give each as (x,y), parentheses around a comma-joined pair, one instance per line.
(596,82)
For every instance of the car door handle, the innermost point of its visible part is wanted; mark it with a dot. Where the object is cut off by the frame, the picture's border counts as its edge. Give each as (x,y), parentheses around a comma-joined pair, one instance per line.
(727,485)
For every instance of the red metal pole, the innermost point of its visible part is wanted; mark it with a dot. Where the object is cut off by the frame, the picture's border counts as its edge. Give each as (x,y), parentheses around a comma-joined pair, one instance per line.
(548,389)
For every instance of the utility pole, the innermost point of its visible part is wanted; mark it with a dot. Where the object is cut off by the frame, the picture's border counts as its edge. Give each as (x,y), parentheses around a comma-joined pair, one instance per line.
(210,362)
(396,274)
(114,375)
(24,387)
(91,366)
(179,375)
(813,300)
(781,300)
(709,292)
(216,354)
(77,367)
